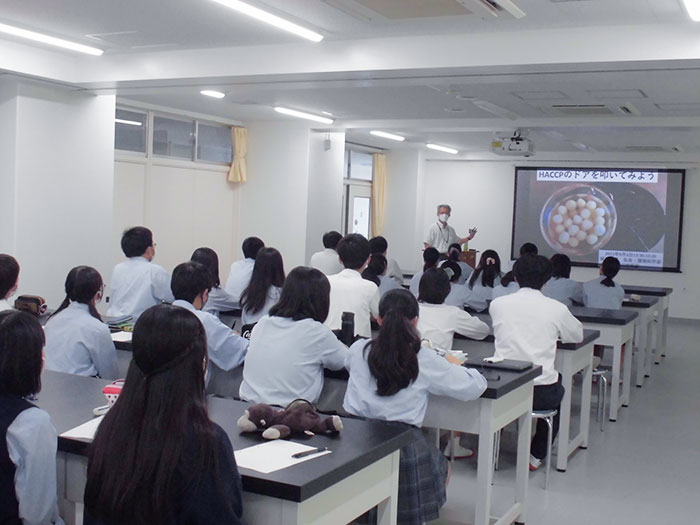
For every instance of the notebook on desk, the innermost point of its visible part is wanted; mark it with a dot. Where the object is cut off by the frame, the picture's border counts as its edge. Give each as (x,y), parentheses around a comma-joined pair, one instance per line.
(512,365)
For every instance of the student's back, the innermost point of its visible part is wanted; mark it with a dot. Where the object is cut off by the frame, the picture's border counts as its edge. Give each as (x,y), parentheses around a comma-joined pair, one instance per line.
(564,290)
(603,292)
(483,279)
(241,271)
(219,299)
(265,286)
(327,260)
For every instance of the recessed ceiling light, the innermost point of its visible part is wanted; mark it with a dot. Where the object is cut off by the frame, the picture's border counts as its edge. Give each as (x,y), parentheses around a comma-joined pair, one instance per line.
(386,135)
(444,149)
(128,122)
(50,40)
(693,9)
(213,94)
(301,114)
(271,19)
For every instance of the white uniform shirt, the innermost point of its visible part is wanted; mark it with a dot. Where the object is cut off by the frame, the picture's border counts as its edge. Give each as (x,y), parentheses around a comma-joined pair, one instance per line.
(226,349)
(564,290)
(286,359)
(499,290)
(439,322)
(5,305)
(415,283)
(393,271)
(526,326)
(597,295)
(457,296)
(239,277)
(137,284)
(326,261)
(440,237)
(77,343)
(220,301)
(466,272)
(436,376)
(273,296)
(351,293)
(479,296)
(31,444)
(386,283)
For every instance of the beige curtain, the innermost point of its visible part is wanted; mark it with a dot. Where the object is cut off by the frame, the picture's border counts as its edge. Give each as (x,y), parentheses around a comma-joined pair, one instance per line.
(238,171)
(378,192)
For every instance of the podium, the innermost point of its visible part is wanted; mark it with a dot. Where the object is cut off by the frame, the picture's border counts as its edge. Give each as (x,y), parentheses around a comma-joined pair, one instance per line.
(469,257)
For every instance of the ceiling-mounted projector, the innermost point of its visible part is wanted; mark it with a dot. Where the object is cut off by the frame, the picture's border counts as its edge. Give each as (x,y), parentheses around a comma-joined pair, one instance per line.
(514,146)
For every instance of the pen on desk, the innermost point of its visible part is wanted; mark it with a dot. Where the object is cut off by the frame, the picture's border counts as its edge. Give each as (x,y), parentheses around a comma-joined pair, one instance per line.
(309,452)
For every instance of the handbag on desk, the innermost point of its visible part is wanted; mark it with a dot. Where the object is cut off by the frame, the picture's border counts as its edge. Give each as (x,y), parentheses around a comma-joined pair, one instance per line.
(33,304)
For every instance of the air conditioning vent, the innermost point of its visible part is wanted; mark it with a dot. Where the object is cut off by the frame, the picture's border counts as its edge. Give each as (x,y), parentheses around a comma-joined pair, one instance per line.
(582,110)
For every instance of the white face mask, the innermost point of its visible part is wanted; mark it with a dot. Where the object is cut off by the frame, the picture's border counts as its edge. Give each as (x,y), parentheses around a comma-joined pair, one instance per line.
(443,217)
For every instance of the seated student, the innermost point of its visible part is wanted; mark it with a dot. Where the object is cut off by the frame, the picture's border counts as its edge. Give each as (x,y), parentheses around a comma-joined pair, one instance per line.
(391,377)
(559,286)
(138,283)
(190,283)
(157,457)
(77,341)
(219,299)
(526,326)
(483,280)
(9,280)
(603,292)
(527,248)
(430,260)
(376,272)
(438,321)
(241,271)
(379,245)
(349,291)
(458,292)
(453,253)
(291,346)
(327,259)
(28,451)
(265,286)
(506,286)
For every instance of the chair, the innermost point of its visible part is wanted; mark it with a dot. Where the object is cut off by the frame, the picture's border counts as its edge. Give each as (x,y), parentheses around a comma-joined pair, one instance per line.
(548,417)
(602,392)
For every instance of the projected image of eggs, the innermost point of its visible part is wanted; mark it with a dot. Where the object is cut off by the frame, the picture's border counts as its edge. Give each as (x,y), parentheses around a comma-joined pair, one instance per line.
(578,219)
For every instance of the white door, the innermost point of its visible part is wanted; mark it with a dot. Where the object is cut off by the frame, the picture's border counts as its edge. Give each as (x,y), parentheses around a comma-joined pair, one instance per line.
(358,209)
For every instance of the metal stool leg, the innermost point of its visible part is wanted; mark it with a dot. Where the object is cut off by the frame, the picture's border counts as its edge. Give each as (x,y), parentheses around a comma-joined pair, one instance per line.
(496,449)
(604,385)
(550,431)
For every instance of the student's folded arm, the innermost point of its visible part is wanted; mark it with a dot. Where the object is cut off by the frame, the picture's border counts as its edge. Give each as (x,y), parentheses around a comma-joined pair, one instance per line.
(104,355)
(577,296)
(161,285)
(446,379)
(335,352)
(227,349)
(471,326)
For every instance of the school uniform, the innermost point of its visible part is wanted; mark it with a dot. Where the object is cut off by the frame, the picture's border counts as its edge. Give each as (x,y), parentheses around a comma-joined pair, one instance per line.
(351,293)
(466,272)
(220,301)
(499,290)
(239,277)
(439,322)
(326,261)
(393,271)
(136,285)
(564,290)
(440,237)
(386,283)
(28,444)
(77,343)
(286,359)
(457,296)
(597,295)
(526,326)
(225,348)
(479,295)
(271,299)
(415,283)
(5,305)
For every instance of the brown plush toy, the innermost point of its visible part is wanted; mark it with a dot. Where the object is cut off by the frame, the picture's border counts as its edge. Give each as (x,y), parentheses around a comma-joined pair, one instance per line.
(299,416)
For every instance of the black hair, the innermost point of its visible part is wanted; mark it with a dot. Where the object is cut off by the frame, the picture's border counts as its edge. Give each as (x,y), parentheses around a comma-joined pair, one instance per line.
(434,286)
(353,250)
(21,343)
(528,248)
(508,278)
(9,272)
(455,271)
(135,241)
(331,239)
(610,267)
(375,268)
(453,252)
(393,354)
(208,258)
(251,246)
(82,283)
(268,271)
(305,295)
(561,266)
(430,258)
(488,269)
(189,280)
(532,271)
(378,244)
(134,472)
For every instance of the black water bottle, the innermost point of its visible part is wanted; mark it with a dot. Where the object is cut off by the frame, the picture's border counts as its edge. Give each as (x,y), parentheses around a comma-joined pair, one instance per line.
(347,328)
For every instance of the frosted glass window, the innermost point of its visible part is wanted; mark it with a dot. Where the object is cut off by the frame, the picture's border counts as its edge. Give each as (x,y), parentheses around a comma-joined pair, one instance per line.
(360,215)
(130,130)
(173,138)
(360,165)
(214,143)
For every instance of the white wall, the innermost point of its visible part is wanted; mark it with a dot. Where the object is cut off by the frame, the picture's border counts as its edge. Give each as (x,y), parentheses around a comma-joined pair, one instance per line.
(8,132)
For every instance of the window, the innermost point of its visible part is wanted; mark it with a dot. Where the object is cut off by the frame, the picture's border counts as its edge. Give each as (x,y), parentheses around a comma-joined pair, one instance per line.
(173,138)
(214,143)
(130,130)
(358,165)
(360,216)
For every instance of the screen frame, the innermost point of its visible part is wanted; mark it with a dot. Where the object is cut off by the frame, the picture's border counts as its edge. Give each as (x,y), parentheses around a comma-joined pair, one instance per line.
(668,269)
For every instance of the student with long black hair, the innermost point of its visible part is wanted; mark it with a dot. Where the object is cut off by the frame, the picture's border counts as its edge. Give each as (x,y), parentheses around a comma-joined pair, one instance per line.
(560,286)
(265,286)
(391,377)
(430,260)
(27,437)
(157,457)
(219,299)
(77,341)
(241,271)
(603,292)
(376,272)
(482,281)
(9,279)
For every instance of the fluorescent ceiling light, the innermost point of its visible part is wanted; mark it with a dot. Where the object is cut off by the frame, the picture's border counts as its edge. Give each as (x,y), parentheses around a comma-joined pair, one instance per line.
(301,114)
(496,110)
(271,19)
(693,8)
(128,122)
(445,149)
(213,94)
(327,113)
(386,135)
(50,40)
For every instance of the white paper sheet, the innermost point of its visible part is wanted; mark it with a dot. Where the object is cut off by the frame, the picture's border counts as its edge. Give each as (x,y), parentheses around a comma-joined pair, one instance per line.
(84,431)
(273,455)
(122,337)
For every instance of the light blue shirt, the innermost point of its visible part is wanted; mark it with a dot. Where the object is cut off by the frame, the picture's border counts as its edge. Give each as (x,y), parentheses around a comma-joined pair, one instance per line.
(479,296)
(457,296)
(239,277)
(220,301)
(387,283)
(415,283)
(466,272)
(564,290)
(77,343)
(436,376)
(499,290)
(273,296)
(136,285)
(597,295)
